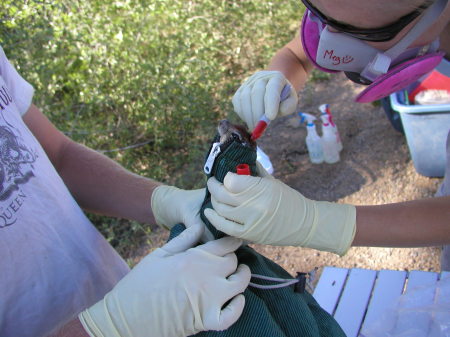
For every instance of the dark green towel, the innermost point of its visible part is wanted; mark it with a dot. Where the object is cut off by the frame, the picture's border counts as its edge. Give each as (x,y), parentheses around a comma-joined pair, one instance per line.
(278,312)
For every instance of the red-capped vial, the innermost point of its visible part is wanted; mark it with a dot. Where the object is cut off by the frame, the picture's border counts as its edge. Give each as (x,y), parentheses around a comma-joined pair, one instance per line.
(243,169)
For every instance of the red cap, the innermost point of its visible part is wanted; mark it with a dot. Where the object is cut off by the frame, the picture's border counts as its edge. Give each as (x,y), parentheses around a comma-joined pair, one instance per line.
(259,129)
(243,169)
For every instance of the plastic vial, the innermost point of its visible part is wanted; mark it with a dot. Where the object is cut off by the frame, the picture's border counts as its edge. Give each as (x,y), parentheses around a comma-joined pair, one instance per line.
(264,160)
(327,118)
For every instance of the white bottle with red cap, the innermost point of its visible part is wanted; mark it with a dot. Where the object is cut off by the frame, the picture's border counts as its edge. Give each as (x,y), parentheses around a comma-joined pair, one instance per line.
(329,145)
(330,141)
(327,122)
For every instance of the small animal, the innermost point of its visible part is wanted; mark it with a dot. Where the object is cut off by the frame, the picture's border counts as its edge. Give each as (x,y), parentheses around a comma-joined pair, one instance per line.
(229,131)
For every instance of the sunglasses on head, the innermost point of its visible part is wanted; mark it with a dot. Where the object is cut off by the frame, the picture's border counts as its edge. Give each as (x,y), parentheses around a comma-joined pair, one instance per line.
(381,34)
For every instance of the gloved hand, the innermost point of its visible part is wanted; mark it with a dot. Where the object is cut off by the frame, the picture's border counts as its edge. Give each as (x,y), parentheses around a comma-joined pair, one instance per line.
(171,205)
(260,95)
(174,291)
(266,211)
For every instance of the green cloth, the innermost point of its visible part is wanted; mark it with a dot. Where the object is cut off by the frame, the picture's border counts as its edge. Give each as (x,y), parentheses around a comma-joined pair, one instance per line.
(268,312)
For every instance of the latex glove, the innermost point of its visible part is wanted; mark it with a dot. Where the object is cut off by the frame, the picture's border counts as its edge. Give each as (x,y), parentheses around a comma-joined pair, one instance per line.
(174,291)
(266,211)
(260,95)
(171,205)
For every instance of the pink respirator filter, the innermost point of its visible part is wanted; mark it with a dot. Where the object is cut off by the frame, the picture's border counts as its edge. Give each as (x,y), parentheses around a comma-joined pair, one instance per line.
(399,77)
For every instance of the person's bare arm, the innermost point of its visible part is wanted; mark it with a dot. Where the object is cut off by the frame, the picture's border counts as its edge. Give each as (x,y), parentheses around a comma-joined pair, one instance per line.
(444,40)
(71,329)
(408,224)
(98,183)
(293,63)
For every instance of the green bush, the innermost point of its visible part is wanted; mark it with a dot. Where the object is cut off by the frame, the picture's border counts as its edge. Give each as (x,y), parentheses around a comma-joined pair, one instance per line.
(143,81)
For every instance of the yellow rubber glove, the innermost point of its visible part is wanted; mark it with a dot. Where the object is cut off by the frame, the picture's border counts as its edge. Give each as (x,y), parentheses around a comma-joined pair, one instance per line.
(174,291)
(266,211)
(171,205)
(260,95)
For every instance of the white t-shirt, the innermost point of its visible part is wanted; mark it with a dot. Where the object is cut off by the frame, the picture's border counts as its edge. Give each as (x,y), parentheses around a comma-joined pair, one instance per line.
(54,263)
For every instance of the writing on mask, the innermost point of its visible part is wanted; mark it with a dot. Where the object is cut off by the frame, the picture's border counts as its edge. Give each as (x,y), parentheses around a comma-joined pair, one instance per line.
(335,59)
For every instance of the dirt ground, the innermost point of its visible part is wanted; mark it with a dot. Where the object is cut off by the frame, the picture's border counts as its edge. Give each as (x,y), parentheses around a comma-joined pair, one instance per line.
(375,168)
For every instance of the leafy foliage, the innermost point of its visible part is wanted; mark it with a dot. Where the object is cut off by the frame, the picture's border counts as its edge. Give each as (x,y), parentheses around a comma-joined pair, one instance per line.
(159,74)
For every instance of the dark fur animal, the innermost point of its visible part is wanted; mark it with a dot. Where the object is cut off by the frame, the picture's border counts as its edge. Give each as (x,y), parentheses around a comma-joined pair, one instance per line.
(229,131)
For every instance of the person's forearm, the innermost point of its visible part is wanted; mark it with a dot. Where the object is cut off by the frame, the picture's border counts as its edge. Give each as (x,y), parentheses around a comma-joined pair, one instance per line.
(408,224)
(98,183)
(71,329)
(101,185)
(286,62)
(293,63)
(444,41)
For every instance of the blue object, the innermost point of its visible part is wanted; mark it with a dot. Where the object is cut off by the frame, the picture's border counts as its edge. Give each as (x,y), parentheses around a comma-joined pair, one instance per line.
(426,128)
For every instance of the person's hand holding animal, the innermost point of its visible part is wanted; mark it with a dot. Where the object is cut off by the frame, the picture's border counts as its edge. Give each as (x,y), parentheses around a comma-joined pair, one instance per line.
(260,95)
(174,291)
(172,205)
(229,131)
(266,211)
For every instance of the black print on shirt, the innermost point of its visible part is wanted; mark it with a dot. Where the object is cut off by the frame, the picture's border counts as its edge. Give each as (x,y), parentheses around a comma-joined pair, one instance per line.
(5,98)
(16,168)
(8,215)
(16,162)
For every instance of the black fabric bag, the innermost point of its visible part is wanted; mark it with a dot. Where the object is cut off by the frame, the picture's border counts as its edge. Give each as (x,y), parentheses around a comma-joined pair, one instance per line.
(281,312)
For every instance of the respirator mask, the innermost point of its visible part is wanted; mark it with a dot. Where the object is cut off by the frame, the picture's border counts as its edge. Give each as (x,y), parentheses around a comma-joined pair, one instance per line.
(384,72)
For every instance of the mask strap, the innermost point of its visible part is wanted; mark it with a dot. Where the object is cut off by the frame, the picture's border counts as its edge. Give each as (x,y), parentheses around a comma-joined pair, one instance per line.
(315,19)
(426,21)
(382,61)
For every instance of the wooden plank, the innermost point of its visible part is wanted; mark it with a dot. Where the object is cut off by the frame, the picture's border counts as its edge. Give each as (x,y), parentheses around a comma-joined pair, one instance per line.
(329,287)
(388,287)
(423,284)
(441,305)
(352,305)
(346,293)
(418,278)
(442,295)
